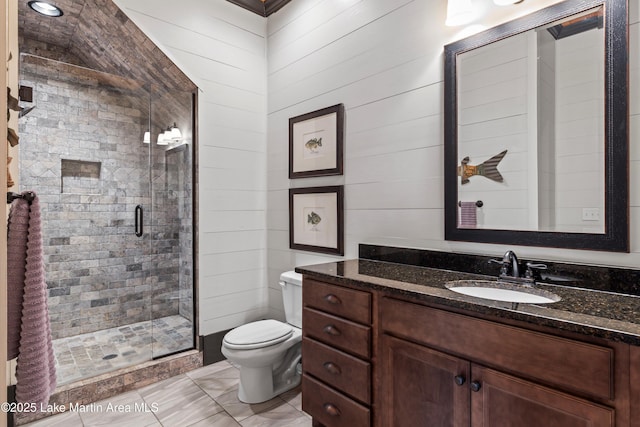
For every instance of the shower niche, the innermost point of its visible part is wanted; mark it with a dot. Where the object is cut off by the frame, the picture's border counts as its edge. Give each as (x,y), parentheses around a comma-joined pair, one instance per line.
(117,212)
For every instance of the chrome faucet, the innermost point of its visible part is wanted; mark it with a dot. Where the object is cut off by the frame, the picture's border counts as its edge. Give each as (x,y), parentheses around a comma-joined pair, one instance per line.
(509,264)
(510,260)
(510,269)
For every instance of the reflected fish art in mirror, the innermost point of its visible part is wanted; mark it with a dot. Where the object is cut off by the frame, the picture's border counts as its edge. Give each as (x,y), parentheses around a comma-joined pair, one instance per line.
(551,89)
(488,168)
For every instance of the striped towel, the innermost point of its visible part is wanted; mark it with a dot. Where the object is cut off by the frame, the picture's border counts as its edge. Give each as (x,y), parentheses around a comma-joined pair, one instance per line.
(467,217)
(28,312)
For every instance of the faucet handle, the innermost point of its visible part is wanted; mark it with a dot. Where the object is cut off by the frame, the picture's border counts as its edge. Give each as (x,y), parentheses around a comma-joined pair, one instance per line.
(503,268)
(532,266)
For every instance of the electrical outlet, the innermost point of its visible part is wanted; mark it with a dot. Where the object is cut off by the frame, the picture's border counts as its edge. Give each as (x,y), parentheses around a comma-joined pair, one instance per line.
(591,214)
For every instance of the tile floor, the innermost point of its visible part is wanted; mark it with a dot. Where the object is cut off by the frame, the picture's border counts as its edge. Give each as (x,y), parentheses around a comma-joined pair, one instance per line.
(204,397)
(95,353)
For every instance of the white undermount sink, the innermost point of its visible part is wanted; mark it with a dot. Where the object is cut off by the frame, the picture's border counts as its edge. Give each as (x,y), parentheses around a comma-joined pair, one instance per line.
(502,291)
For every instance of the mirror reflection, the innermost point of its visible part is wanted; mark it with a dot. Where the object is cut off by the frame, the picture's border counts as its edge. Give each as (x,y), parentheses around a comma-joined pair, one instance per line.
(531,129)
(536,118)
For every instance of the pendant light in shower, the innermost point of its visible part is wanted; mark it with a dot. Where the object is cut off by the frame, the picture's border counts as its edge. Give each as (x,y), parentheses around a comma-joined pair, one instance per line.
(171,134)
(175,133)
(163,137)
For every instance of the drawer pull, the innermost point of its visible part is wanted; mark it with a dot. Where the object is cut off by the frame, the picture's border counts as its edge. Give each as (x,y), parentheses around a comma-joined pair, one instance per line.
(475,386)
(331,409)
(332,368)
(331,330)
(332,299)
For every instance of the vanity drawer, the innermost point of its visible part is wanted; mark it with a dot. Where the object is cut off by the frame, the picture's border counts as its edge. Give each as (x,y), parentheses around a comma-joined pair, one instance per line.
(344,302)
(330,407)
(337,332)
(565,363)
(340,370)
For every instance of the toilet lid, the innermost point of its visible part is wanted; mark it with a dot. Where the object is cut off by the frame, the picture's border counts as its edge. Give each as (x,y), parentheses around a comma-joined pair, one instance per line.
(258,334)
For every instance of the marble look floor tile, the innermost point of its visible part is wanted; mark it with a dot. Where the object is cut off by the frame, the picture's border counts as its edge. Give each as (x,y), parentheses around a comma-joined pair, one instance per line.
(125,410)
(217,383)
(293,397)
(221,369)
(283,415)
(179,401)
(219,420)
(239,410)
(187,400)
(67,419)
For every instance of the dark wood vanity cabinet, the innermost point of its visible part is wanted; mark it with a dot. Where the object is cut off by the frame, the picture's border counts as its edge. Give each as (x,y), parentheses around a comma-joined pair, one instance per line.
(370,358)
(444,369)
(421,386)
(336,354)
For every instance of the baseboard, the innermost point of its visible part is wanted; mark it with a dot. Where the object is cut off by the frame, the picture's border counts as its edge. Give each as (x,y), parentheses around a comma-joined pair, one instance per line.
(211,346)
(11,398)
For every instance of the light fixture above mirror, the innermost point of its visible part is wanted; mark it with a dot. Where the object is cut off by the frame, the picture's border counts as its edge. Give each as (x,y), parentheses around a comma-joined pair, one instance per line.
(459,12)
(506,2)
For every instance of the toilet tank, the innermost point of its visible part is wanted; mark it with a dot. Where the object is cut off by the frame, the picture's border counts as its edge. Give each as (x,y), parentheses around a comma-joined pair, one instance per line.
(291,283)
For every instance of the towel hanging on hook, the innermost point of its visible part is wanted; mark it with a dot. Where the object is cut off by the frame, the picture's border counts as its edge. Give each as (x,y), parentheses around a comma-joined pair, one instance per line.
(479,203)
(27,195)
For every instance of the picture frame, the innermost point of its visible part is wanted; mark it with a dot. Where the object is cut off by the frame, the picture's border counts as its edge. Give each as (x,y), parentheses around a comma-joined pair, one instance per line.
(316,143)
(316,219)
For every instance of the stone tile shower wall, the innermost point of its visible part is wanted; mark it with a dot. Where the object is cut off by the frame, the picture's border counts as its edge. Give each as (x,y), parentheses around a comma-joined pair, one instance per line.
(178,196)
(81,150)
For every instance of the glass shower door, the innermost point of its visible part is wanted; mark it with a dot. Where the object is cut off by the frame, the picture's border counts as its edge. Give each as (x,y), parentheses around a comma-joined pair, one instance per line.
(171,227)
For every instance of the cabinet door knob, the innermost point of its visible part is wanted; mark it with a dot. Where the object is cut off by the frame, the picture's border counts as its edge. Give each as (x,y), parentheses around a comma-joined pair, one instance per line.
(331,409)
(332,299)
(475,386)
(331,330)
(332,368)
(460,379)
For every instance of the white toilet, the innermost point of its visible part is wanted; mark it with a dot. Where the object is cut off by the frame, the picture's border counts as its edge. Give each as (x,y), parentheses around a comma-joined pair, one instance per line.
(268,351)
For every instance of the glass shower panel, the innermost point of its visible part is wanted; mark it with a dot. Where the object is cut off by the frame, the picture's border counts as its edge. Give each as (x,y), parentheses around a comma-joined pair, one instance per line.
(172,223)
(82,152)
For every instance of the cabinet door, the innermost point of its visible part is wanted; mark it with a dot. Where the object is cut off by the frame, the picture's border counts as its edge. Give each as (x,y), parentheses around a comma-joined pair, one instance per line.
(422,387)
(500,400)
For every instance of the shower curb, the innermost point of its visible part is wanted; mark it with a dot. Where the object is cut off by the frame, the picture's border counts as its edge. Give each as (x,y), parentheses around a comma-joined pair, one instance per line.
(113,383)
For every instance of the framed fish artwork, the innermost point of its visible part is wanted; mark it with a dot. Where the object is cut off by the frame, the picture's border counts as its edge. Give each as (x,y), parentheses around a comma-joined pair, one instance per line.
(316,143)
(316,219)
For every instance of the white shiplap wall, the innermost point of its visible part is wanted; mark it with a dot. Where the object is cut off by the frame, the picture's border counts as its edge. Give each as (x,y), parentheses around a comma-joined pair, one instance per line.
(222,48)
(579,131)
(383,60)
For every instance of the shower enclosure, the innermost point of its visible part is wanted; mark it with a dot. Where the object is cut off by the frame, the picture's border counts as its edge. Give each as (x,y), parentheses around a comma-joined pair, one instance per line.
(116,213)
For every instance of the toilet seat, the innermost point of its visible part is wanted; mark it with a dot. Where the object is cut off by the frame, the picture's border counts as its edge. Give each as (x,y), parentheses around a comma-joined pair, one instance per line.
(262,333)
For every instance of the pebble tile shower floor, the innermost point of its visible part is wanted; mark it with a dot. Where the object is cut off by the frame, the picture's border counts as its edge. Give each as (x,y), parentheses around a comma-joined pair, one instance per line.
(95,353)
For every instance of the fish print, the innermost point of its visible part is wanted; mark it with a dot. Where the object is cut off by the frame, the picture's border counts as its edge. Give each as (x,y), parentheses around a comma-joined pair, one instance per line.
(488,168)
(313,219)
(313,144)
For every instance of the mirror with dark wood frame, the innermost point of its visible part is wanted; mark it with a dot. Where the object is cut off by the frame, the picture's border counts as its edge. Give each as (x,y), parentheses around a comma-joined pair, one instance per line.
(536,153)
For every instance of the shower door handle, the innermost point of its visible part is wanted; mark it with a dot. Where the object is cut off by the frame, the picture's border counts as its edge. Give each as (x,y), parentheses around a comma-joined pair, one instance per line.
(139,221)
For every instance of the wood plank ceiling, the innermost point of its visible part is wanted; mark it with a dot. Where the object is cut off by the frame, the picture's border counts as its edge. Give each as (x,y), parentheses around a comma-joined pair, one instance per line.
(96,34)
(261,7)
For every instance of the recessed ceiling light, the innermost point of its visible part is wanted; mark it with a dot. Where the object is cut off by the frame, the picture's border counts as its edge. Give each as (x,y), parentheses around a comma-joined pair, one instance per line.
(45,8)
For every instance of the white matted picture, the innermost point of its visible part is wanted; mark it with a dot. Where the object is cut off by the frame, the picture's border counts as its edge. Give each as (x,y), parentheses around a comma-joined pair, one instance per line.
(315,143)
(316,219)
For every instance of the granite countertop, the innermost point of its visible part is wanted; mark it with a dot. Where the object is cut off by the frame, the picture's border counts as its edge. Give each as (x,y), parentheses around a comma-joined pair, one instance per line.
(613,316)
